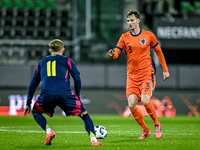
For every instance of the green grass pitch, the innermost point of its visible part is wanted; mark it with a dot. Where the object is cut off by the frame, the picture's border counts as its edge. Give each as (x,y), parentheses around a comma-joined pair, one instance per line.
(22,133)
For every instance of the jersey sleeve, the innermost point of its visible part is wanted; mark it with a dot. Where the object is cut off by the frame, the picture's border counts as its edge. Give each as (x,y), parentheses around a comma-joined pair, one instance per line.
(33,85)
(159,53)
(75,75)
(119,47)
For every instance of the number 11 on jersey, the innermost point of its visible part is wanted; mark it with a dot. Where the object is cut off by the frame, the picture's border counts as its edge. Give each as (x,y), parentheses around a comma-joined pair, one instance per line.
(51,68)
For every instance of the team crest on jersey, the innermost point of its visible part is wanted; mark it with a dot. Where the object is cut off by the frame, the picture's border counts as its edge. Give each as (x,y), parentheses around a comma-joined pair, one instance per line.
(143,41)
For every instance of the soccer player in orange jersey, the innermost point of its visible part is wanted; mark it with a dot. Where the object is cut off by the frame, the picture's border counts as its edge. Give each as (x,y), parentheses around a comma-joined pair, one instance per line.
(140,70)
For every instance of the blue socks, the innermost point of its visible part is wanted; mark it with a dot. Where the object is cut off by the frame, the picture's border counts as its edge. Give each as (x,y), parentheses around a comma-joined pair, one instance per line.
(89,125)
(41,120)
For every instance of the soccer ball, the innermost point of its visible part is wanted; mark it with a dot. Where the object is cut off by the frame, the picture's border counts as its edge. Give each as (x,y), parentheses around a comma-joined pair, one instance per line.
(101,132)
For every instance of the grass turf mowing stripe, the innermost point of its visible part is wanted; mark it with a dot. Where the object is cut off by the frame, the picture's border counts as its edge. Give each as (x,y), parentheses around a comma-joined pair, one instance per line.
(23,133)
(6,129)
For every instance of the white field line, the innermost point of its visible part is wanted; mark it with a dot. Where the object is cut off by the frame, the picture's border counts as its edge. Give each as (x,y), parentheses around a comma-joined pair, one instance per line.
(11,129)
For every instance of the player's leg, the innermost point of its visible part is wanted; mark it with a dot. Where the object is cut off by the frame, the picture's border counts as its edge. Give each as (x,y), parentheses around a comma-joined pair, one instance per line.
(72,105)
(136,113)
(149,108)
(147,90)
(42,122)
(89,127)
(39,118)
(152,113)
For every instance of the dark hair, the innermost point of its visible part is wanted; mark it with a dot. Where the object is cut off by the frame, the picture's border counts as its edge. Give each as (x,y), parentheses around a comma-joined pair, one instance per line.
(56,45)
(133,12)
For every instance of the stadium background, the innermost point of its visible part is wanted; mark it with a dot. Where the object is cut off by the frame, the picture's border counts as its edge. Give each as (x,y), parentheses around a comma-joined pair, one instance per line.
(89,28)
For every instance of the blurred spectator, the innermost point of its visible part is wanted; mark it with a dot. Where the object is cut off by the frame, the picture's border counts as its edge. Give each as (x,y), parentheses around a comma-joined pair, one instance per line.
(150,9)
(177,7)
(183,6)
(186,7)
(166,10)
(196,5)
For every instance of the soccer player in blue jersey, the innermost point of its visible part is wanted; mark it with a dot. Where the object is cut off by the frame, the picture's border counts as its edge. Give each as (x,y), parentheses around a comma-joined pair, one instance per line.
(54,73)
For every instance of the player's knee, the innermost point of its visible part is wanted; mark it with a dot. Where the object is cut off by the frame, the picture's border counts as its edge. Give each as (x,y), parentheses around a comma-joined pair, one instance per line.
(35,111)
(132,101)
(132,106)
(145,99)
(83,114)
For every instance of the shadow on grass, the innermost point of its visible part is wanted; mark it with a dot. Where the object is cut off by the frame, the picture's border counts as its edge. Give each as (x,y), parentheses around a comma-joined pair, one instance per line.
(129,139)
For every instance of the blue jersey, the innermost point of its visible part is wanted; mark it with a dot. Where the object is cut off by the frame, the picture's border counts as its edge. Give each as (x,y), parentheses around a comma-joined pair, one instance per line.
(54,73)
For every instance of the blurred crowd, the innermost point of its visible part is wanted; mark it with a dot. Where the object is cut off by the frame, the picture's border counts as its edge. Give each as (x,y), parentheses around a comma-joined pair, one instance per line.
(169,9)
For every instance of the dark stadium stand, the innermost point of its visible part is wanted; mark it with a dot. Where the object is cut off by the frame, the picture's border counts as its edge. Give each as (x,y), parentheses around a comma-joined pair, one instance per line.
(33,16)
(24,24)
(35,20)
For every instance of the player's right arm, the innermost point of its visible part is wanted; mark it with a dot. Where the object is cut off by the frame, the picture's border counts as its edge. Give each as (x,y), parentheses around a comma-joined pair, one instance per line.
(33,85)
(31,90)
(114,53)
(111,52)
(27,110)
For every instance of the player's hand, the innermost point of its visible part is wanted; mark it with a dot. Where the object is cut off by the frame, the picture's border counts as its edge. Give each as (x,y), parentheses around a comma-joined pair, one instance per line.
(166,75)
(27,110)
(111,52)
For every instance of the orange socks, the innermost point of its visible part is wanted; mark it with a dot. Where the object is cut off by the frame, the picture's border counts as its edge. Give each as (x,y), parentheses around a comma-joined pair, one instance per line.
(152,112)
(139,117)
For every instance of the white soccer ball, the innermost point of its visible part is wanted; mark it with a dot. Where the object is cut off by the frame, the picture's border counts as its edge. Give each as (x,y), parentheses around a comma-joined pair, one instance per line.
(101,132)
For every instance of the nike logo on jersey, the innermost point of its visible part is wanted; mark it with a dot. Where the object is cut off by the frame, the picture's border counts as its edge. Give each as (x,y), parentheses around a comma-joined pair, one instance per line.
(128,42)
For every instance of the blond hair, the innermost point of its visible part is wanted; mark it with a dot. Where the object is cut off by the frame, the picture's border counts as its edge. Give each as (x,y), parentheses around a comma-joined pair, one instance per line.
(133,12)
(56,45)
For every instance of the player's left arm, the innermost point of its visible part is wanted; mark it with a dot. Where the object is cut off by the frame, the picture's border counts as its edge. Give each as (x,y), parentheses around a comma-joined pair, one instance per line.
(161,58)
(166,75)
(75,75)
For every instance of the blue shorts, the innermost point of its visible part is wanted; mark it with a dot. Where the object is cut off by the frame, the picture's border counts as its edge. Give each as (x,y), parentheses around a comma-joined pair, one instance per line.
(69,103)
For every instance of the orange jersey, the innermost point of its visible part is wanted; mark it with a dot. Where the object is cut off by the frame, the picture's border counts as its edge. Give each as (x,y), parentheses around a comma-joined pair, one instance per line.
(140,66)
(137,48)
